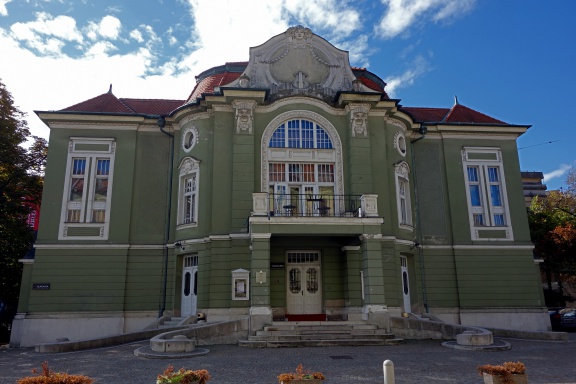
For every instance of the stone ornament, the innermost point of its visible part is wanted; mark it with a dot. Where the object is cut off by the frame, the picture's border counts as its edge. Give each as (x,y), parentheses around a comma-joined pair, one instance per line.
(359,120)
(188,165)
(298,62)
(403,170)
(244,115)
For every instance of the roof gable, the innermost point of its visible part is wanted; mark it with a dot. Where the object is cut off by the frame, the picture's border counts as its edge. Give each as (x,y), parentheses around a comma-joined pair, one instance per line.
(106,102)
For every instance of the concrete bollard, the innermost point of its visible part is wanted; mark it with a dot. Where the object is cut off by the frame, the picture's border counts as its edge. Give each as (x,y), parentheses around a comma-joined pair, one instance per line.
(388,367)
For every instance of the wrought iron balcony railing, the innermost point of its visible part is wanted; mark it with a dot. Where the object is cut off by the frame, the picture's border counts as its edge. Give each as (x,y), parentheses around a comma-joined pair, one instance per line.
(311,205)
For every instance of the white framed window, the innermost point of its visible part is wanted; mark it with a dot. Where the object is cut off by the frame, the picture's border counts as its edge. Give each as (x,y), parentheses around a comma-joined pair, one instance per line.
(188,192)
(403,202)
(87,189)
(486,193)
(301,181)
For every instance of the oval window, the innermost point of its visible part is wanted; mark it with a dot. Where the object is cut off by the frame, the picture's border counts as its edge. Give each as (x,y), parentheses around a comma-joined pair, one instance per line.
(402,145)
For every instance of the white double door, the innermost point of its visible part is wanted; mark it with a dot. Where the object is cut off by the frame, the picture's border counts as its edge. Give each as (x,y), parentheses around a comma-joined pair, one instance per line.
(189,286)
(303,288)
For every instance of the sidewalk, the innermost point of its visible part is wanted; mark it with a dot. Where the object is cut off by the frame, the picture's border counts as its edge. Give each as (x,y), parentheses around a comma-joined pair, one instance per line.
(415,362)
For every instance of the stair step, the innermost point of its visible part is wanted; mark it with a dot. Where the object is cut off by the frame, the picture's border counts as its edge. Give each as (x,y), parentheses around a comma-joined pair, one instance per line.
(317,343)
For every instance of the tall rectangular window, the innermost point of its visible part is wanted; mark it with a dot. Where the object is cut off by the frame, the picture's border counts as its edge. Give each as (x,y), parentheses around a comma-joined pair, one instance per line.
(190,199)
(188,192)
(485,188)
(402,172)
(86,202)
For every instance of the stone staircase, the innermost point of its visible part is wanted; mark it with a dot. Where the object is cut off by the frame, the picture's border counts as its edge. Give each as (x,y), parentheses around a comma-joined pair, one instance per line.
(319,334)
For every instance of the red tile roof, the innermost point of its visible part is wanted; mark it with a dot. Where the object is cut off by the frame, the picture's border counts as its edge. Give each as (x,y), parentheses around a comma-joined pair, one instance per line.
(458,114)
(108,103)
(462,114)
(152,106)
(225,74)
(207,84)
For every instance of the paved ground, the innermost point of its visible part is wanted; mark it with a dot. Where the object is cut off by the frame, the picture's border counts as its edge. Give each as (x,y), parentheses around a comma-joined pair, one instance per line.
(415,362)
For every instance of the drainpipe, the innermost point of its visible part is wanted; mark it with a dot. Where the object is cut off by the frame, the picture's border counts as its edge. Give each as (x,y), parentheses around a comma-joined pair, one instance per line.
(161,122)
(423,129)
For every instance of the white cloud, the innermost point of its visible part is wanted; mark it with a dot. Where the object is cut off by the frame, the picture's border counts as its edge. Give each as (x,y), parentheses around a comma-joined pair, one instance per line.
(100,49)
(402,14)
(136,35)
(3,10)
(109,27)
(46,26)
(560,172)
(338,17)
(101,56)
(419,67)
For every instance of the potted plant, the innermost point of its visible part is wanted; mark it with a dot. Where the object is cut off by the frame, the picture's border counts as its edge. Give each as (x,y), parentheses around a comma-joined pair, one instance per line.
(50,377)
(301,376)
(507,373)
(183,376)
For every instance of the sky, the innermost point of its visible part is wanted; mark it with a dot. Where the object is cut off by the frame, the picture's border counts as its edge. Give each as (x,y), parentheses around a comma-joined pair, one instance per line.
(513,60)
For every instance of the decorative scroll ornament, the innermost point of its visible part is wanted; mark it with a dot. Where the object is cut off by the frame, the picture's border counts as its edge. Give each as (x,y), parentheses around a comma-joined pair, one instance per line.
(403,170)
(244,115)
(188,165)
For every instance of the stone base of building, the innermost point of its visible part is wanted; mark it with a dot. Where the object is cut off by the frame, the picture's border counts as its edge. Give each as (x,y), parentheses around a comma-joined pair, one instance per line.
(522,319)
(31,329)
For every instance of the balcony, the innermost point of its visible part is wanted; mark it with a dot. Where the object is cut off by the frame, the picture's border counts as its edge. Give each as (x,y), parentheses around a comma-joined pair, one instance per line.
(314,206)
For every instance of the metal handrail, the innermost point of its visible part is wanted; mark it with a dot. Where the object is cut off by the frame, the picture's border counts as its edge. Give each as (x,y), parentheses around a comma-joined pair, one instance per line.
(313,205)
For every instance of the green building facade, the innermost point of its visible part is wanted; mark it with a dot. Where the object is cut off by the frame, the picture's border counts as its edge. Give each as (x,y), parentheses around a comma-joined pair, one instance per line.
(289,187)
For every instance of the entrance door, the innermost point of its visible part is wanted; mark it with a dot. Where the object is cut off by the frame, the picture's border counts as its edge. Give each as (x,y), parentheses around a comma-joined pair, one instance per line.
(304,288)
(189,285)
(405,284)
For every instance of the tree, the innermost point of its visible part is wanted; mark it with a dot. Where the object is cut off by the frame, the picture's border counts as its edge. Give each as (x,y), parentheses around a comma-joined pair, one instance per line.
(553,231)
(571,181)
(21,172)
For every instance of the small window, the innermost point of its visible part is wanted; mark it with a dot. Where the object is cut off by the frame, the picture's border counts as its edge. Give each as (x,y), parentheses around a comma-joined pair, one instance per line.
(189,138)
(400,143)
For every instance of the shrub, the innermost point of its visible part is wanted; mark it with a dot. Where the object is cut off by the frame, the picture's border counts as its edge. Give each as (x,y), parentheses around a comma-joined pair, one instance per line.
(300,374)
(183,376)
(50,377)
(506,370)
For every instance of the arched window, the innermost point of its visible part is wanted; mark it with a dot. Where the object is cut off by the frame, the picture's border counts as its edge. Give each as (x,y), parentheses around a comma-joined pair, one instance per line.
(300,133)
(302,167)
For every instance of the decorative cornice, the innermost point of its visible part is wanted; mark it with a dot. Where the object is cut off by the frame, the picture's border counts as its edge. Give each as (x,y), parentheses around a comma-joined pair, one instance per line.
(196,116)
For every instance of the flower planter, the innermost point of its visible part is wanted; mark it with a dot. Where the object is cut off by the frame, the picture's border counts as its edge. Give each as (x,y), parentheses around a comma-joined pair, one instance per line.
(500,379)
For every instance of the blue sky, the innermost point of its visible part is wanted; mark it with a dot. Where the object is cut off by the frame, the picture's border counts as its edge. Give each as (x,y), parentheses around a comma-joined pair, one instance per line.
(513,60)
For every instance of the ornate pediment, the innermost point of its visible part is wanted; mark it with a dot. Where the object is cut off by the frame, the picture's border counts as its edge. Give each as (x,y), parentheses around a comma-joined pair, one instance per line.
(298,62)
